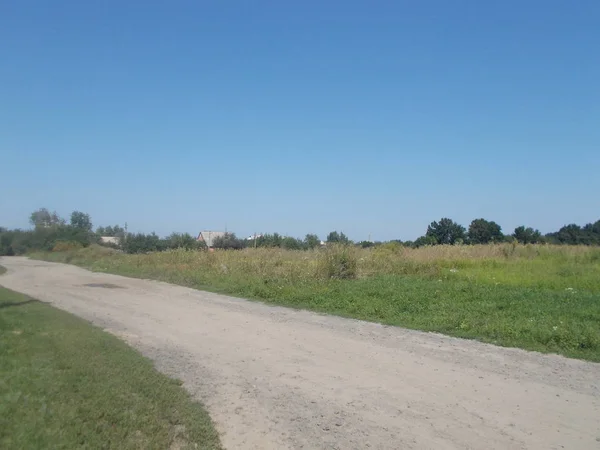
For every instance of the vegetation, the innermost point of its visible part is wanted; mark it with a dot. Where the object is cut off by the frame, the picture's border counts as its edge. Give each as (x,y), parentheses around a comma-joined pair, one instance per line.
(537,297)
(65,384)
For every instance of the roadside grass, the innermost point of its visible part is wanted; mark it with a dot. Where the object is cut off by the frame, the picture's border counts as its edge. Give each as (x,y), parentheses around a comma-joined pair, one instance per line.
(66,384)
(543,298)
(2,270)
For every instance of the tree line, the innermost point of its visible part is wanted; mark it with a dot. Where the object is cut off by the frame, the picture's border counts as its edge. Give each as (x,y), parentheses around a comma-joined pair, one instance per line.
(50,232)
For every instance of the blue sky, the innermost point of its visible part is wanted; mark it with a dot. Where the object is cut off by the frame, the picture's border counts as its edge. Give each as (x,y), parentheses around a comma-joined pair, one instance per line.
(374,118)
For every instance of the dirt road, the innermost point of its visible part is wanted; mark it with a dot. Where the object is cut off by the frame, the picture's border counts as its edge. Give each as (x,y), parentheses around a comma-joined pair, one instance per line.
(275,378)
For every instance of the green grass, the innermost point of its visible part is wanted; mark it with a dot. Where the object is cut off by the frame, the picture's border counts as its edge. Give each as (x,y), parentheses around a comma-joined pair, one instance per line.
(65,384)
(539,298)
(2,270)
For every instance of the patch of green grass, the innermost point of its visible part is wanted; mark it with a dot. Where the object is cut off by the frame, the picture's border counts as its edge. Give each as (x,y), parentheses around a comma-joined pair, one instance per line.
(533,297)
(2,270)
(65,384)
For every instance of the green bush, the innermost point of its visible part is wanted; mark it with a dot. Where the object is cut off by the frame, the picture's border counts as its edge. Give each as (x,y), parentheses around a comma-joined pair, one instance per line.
(338,261)
(66,246)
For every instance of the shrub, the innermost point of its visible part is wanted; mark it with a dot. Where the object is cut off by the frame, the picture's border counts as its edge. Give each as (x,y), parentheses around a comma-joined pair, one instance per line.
(65,246)
(338,261)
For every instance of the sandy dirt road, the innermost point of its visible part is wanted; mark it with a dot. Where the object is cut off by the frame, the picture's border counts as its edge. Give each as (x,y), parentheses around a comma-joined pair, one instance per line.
(275,378)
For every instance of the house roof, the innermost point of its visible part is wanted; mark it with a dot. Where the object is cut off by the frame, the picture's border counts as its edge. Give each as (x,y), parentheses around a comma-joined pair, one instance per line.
(209,236)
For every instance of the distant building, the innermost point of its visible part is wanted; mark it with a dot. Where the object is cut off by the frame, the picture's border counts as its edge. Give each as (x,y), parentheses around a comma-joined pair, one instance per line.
(208,237)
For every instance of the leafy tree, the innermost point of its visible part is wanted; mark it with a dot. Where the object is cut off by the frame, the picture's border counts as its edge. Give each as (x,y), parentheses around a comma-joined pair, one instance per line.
(482,231)
(366,244)
(229,242)
(115,231)
(42,218)
(291,243)
(446,231)
(81,221)
(269,240)
(143,243)
(337,238)
(311,241)
(527,235)
(182,240)
(424,240)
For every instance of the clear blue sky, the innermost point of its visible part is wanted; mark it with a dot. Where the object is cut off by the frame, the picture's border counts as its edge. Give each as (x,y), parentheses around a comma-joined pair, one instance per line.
(367,117)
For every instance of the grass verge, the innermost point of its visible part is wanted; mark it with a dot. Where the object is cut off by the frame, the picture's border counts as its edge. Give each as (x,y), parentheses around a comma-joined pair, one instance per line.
(66,384)
(539,298)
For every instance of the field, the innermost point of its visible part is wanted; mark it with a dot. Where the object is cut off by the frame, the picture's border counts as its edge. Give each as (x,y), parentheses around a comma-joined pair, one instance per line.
(66,384)
(544,298)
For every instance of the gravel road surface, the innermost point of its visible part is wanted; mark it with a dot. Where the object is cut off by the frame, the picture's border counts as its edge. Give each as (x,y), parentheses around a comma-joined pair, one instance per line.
(276,378)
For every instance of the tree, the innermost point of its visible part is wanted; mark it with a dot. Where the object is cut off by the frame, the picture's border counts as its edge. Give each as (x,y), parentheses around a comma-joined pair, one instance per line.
(182,240)
(338,238)
(311,241)
(423,241)
(109,231)
(229,241)
(446,231)
(482,231)
(81,221)
(527,235)
(42,218)
(291,243)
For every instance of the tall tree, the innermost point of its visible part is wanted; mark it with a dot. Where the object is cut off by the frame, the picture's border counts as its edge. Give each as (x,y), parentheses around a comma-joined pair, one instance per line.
(42,218)
(527,235)
(81,221)
(339,238)
(446,231)
(483,231)
(311,241)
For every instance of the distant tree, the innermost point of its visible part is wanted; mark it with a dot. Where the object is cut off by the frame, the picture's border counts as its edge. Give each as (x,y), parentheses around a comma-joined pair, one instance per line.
(229,242)
(337,238)
(446,231)
(182,240)
(424,240)
(269,240)
(114,231)
(483,231)
(81,221)
(291,243)
(311,241)
(527,235)
(366,244)
(143,243)
(42,218)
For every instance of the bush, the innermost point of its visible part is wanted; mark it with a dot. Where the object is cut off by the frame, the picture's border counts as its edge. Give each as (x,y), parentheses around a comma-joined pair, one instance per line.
(338,261)
(66,246)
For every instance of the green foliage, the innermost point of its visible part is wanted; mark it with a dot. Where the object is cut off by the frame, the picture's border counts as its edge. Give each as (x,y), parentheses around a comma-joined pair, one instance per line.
(337,238)
(338,261)
(43,218)
(183,240)
(269,240)
(290,243)
(424,241)
(143,243)
(366,244)
(66,246)
(66,384)
(109,231)
(573,234)
(446,232)
(527,235)
(311,241)
(482,231)
(81,221)
(229,242)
